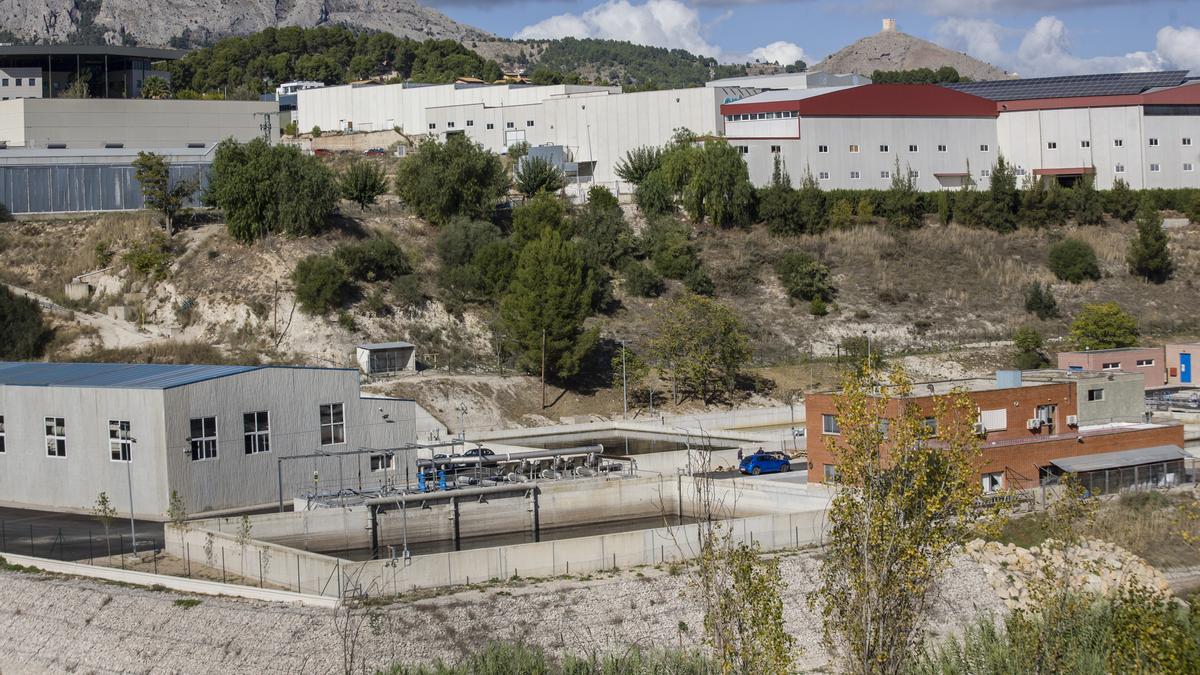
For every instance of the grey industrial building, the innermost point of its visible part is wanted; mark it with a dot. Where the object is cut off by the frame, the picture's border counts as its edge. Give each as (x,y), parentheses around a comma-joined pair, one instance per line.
(214,434)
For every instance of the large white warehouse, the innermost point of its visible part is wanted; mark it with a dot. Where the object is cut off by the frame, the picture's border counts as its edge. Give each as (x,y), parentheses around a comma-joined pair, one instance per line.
(214,434)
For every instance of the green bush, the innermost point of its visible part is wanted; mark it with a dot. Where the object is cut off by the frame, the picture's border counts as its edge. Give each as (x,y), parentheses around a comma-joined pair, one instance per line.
(376,259)
(407,293)
(604,237)
(322,284)
(536,175)
(642,281)
(541,212)
(5,214)
(456,178)
(1074,261)
(804,278)
(149,257)
(698,282)
(363,182)
(1149,254)
(1103,325)
(638,163)
(1122,202)
(1039,300)
(817,307)
(23,333)
(476,263)
(653,195)
(1028,345)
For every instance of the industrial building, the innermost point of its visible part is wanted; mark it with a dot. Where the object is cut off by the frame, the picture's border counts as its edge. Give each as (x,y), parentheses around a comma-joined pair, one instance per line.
(1168,365)
(110,71)
(220,436)
(1036,426)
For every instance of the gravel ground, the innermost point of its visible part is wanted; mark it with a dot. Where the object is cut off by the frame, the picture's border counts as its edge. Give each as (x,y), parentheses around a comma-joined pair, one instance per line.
(54,624)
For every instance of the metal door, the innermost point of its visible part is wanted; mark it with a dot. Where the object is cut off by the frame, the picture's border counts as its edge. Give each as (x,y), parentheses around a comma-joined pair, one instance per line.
(1185,368)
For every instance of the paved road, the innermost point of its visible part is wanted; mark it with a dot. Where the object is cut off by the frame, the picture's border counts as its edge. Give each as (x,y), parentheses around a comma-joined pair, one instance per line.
(68,536)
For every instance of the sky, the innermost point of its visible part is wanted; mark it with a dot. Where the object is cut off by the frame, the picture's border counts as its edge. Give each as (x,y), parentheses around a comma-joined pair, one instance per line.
(1030,37)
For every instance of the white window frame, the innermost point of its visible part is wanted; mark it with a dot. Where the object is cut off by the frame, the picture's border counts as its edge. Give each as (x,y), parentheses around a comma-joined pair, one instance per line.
(1119,168)
(913,147)
(1185,141)
(1085,144)
(470,123)
(510,125)
(1154,142)
(257,439)
(992,482)
(914,174)
(822,175)
(382,462)
(1145,363)
(829,425)
(775,149)
(528,123)
(491,125)
(883,148)
(1115,365)
(1052,145)
(855,175)
(984,147)
(743,149)
(822,149)
(432,126)
(1095,394)
(1188,166)
(853,147)
(336,423)
(1118,142)
(56,433)
(120,441)
(204,446)
(830,473)
(985,173)
(885,174)
(1155,167)
(942,147)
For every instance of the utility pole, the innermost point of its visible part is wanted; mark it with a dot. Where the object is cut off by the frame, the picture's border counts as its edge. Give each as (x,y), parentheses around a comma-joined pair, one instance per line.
(543,369)
(624,381)
(129,482)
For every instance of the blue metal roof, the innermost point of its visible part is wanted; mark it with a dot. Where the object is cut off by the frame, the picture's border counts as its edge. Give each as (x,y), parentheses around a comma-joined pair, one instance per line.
(112,375)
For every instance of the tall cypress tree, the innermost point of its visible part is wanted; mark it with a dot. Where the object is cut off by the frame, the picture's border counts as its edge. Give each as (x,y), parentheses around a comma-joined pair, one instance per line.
(1149,255)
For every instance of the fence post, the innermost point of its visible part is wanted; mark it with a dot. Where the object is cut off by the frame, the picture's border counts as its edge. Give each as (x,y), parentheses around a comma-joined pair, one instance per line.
(62,553)
(222,564)
(91,560)
(297,572)
(31,549)
(156,552)
(187,556)
(121,538)
(260,569)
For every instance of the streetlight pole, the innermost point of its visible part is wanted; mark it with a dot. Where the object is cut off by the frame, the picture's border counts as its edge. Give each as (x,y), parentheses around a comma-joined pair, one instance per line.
(624,381)
(129,483)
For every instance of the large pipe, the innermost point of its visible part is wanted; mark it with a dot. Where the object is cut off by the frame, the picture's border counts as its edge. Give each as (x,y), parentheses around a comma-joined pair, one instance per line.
(419,497)
(460,460)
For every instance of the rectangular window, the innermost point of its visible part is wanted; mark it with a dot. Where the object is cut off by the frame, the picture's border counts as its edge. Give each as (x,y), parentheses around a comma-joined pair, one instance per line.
(1120,168)
(17,82)
(470,123)
(1145,363)
(885,174)
(1020,171)
(509,125)
(823,175)
(822,148)
(4,82)
(256,432)
(381,462)
(120,441)
(1118,143)
(1186,141)
(1187,166)
(830,473)
(941,148)
(203,438)
(1052,145)
(854,175)
(829,424)
(986,173)
(491,126)
(775,149)
(985,148)
(449,125)
(1110,366)
(913,148)
(883,148)
(1095,394)
(1154,168)
(1153,141)
(333,424)
(528,123)
(931,425)
(993,482)
(195,146)
(432,125)
(913,173)
(56,437)
(1,434)
(853,148)
(1085,144)
(743,149)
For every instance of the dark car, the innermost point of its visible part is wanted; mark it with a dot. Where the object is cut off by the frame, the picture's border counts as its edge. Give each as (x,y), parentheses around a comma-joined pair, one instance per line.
(375,152)
(765,462)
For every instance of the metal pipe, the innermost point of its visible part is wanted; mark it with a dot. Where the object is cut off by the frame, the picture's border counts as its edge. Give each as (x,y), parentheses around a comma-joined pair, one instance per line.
(512,456)
(397,500)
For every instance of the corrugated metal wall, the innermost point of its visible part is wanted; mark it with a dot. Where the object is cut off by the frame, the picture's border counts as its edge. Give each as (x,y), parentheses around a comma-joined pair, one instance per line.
(81,187)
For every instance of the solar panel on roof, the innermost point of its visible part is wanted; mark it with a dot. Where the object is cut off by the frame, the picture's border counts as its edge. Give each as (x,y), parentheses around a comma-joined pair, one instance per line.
(1108,84)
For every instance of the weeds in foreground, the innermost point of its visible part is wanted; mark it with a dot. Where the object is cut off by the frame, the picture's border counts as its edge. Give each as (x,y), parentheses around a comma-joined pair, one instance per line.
(517,659)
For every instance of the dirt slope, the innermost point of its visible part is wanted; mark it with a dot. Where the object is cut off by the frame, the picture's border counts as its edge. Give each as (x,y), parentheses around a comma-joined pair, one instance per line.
(891,50)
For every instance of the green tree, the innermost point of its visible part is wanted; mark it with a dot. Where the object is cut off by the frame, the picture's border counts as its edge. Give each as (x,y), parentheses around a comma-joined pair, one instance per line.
(178,515)
(719,188)
(653,195)
(476,263)
(23,333)
(641,280)
(1027,345)
(1103,326)
(841,216)
(702,344)
(550,296)
(264,188)
(1003,200)
(362,183)
(638,163)
(605,238)
(106,514)
(518,150)
(1149,252)
(668,244)
(156,88)
(1074,260)
(454,178)
(1039,300)
(864,213)
(543,211)
(536,175)
(159,192)
(1122,202)
(630,372)
(379,258)
(902,508)
(1088,207)
(804,278)
(322,284)
(902,203)
(743,618)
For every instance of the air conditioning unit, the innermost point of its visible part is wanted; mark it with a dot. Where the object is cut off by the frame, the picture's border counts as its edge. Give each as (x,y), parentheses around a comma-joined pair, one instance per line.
(980,430)
(1072,420)
(1033,424)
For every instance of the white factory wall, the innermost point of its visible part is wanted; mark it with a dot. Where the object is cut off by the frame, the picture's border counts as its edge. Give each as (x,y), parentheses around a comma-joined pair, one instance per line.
(30,80)
(30,477)
(1177,153)
(292,398)
(963,139)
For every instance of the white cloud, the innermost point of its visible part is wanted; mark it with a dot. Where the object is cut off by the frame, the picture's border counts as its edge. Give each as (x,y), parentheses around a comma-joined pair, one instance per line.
(659,23)
(1045,49)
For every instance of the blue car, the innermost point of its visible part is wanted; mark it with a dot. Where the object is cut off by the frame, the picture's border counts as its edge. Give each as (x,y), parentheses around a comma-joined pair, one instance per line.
(765,462)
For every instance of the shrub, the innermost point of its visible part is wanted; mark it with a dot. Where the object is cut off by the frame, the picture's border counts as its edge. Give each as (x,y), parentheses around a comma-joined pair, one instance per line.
(669,246)
(817,307)
(864,213)
(103,253)
(1088,207)
(841,216)
(149,257)
(604,236)
(362,183)
(376,259)
(475,261)
(316,131)
(538,174)
(455,178)
(5,214)
(541,212)
(23,333)
(1193,209)
(1039,300)
(518,150)
(1103,326)
(803,277)
(698,282)
(638,163)
(642,281)
(1074,261)
(1028,345)
(902,204)
(1149,255)
(653,195)
(407,293)
(321,284)
(1122,203)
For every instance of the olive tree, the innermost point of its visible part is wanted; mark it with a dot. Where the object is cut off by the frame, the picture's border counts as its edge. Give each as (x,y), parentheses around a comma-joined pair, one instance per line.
(159,192)
(702,344)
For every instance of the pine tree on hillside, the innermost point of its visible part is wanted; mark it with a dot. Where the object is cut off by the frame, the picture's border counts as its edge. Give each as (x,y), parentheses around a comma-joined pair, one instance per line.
(1149,253)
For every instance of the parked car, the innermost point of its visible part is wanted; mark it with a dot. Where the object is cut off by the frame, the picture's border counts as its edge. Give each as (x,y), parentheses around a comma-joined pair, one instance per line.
(765,462)
(487,457)
(375,152)
(322,152)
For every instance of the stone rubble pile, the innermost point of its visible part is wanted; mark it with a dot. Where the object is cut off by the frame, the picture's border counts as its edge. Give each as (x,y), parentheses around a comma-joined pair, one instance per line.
(1093,566)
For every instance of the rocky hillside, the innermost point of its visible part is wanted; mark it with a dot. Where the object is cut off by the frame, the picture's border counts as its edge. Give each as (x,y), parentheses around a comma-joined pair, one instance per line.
(112,20)
(893,50)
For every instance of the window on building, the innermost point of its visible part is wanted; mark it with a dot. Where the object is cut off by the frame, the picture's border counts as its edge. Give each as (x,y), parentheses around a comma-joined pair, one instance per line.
(1145,363)
(1120,168)
(433,125)
(1118,143)
(829,424)
(56,146)
(1154,168)
(509,125)
(56,437)
(1110,366)
(1153,142)
(1085,144)
(17,82)
(449,125)
(823,175)
(913,148)
(528,123)
(120,441)
(1052,145)
(470,123)
(993,482)
(884,426)
(1,433)
(491,126)
(775,149)
(941,148)
(931,425)
(883,148)
(854,175)
(1186,141)
(333,424)
(831,473)
(913,173)
(4,82)
(986,173)
(1095,394)
(381,462)
(853,147)
(256,432)
(1187,166)
(886,175)
(822,148)
(743,149)
(985,148)
(1020,171)
(203,438)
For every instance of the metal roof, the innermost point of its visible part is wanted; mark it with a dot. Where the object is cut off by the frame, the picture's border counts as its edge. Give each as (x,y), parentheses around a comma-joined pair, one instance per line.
(1109,84)
(153,53)
(112,375)
(1123,458)
(386,345)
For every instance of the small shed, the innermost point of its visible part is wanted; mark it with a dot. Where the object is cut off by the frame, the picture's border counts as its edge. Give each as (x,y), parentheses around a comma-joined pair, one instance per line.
(383,358)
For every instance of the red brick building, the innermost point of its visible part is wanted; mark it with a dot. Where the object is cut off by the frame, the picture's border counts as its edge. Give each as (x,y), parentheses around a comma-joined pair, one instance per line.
(1037,427)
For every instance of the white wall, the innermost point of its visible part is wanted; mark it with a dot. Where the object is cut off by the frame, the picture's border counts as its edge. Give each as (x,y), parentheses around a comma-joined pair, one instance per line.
(30,79)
